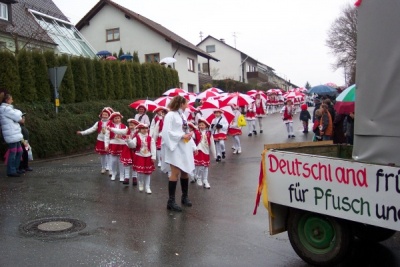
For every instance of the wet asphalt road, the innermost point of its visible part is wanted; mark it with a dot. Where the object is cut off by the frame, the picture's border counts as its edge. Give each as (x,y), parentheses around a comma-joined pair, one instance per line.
(127,228)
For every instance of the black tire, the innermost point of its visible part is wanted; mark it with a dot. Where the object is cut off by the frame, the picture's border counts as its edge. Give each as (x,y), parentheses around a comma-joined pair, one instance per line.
(318,239)
(370,233)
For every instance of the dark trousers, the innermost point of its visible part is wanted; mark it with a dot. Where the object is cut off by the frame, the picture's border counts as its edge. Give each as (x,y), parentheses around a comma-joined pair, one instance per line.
(24,161)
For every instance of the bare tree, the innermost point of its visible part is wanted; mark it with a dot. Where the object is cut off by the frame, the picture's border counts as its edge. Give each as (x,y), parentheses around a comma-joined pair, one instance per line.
(342,40)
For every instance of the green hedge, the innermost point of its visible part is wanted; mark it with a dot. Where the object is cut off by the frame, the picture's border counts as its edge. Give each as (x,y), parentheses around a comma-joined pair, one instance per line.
(25,77)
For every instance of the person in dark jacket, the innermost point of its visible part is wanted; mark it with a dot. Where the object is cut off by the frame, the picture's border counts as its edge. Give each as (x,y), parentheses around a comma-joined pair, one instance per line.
(305,117)
(348,128)
(317,105)
(24,165)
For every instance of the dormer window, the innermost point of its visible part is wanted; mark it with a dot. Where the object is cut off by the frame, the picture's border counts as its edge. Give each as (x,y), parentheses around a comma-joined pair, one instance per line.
(3,11)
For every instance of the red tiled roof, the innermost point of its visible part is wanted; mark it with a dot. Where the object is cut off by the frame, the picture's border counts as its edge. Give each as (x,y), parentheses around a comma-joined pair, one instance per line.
(169,35)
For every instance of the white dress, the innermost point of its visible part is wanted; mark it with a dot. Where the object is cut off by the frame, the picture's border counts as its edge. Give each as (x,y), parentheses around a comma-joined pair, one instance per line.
(173,148)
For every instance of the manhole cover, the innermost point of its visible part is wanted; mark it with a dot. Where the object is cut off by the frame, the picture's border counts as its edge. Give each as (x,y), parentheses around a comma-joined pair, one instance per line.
(47,227)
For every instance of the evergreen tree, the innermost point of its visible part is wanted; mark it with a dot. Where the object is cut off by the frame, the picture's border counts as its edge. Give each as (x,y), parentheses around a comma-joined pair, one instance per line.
(25,67)
(67,87)
(127,80)
(9,74)
(308,85)
(109,80)
(146,76)
(100,79)
(136,75)
(158,79)
(41,77)
(136,57)
(167,78)
(120,53)
(91,77)
(118,89)
(51,62)
(80,79)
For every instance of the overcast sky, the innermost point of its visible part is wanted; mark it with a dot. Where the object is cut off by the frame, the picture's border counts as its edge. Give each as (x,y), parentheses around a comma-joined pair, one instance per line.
(287,35)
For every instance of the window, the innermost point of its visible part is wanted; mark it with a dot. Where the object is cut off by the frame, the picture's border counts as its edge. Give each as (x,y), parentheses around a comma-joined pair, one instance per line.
(190,63)
(205,67)
(210,48)
(65,35)
(112,35)
(152,58)
(3,11)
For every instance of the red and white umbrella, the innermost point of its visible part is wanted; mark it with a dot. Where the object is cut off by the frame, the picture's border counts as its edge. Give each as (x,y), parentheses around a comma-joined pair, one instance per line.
(206,94)
(238,99)
(215,90)
(190,96)
(274,91)
(208,113)
(148,104)
(163,101)
(211,103)
(174,92)
(254,92)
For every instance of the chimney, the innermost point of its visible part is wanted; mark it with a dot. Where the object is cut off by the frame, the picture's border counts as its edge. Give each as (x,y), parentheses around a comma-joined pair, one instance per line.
(222,40)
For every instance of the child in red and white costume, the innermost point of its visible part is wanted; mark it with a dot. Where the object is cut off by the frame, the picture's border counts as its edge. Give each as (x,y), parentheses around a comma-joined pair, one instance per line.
(100,128)
(260,110)
(204,147)
(145,156)
(287,117)
(251,118)
(141,116)
(127,155)
(219,129)
(114,143)
(235,130)
(156,127)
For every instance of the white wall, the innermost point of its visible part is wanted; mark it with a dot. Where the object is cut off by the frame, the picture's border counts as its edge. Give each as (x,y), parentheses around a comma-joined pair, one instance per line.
(229,64)
(135,36)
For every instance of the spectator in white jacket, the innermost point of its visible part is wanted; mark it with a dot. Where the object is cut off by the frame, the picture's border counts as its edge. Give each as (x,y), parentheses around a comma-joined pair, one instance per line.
(11,129)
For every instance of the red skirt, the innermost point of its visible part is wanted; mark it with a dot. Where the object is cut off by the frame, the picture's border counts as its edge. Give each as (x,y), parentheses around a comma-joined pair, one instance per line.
(126,156)
(158,143)
(143,165)
(100,148)
(115,149)
(234,131)
(219,136)
(201,159)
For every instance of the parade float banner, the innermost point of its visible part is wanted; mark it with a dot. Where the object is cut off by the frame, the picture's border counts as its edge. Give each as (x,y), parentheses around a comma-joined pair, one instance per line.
(345,189)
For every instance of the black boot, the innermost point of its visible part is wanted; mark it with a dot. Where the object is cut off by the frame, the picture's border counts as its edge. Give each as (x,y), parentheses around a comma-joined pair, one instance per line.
(185,188)
(171,205)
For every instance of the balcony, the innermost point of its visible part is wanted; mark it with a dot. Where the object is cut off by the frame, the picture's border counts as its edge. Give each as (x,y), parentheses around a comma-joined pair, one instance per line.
(256,77)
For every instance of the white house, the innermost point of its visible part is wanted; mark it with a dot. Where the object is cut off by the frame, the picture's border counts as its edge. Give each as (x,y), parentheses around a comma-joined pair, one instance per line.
(109,26)
(236,65)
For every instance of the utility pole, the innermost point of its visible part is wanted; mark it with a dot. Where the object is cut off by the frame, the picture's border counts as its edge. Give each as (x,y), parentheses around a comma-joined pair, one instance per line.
(201,36)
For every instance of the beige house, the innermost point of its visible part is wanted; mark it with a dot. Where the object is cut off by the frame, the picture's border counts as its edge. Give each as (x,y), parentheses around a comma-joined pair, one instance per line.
(236,65)
(109,26)
(39,25)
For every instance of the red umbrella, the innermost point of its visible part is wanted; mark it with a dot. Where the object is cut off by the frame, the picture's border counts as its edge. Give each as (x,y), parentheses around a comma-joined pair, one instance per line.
(206,94)
(211,103)
(238,99)
(174,92)
(274,91)
(163,101)
(148,104)
(254,92)
(215,90)
(208,113)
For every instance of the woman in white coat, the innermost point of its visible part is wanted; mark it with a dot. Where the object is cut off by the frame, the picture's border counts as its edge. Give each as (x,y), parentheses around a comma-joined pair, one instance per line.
(177,147)
(11,129)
